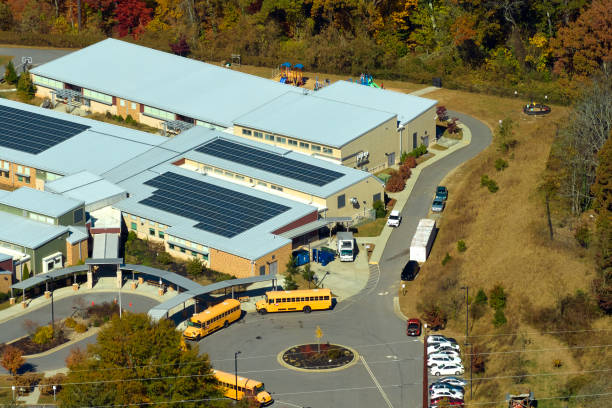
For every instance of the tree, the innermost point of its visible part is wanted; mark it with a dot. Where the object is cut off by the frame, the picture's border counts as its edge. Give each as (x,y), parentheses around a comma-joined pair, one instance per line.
(180,47)
(585,45)
(12,359)
(132,17)
(25,86)
(10,75)
(164,258)
(43,335)
(505,135)
(442,113)
(6,16)
(290,283)
(290,268)
(25,274)
(308,274)
(497,297)
(379,207)
(195,267)
(135,348)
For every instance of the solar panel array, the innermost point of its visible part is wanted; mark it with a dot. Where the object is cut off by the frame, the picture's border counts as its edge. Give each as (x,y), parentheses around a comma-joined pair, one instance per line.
(219,210)
(268,161)
(34,133)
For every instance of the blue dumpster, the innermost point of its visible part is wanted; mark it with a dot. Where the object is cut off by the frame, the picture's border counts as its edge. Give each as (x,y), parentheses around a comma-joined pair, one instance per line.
(302,257)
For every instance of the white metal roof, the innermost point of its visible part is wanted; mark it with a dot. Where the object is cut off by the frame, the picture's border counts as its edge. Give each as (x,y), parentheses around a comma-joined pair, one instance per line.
(27,233)
(40,202)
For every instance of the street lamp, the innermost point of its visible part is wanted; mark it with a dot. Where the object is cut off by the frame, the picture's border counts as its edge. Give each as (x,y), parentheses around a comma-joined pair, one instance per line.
(467,309)
(13,388)
(236,372)
(54,388)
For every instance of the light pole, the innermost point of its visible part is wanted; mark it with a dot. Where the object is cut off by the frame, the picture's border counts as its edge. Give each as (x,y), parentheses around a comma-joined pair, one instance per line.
(236,372)
(13,388)
(52,315)
(471,365)
(54,388)
(467,309)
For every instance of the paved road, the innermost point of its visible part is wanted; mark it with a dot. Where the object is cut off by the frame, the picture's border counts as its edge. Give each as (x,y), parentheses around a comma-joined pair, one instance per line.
(15,328)
(392,373)
(39,56)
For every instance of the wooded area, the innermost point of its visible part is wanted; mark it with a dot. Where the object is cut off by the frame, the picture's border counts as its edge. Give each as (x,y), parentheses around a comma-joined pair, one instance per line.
(534,47)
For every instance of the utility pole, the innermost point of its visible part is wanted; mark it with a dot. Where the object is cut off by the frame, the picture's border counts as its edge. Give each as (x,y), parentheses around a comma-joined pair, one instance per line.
(467,309)
(471,365)
(236,371)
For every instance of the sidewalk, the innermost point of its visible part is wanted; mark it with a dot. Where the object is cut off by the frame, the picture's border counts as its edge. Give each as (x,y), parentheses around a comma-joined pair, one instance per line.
(402,197)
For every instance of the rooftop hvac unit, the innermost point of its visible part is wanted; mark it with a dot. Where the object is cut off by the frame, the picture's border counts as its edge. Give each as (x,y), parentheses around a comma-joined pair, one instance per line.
(52,262)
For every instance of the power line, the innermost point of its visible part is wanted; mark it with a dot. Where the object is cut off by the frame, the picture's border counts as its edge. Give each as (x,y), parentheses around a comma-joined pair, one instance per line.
(533,333)
(541,374)
(539,350)
(607,395)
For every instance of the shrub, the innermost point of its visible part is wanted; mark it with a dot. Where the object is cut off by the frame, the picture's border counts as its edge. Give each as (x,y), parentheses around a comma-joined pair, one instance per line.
(379,207)
(131,236)
(418,152)
(27,380)
(129,120)
(290,283)
(493,187)
(557,363)
(461,247)
(446,259)
(410,161)
(195,267)
(499,318)
(4,296)
(291,268)
(47,383)
(442,113)
(434,316)
(396,183)
(453,127)
(164,258)
(307,273)
(25,86)
(10,75)
(43,335)
(478,358)
(481,298)
(501,164)
(70,322)
(497,298)
(80,328)
(583,236)
(485,181)
(405,172)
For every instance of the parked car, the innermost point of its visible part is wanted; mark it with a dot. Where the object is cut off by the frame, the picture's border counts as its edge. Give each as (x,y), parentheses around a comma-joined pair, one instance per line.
(445,386)
(446,393)
(442,193)
(436,357)
(447,352)
(434,347)
(447,369)
(394,219)
(459,382)
(436,338)
(410,271)
(454,402)
(413,327)
(438,205)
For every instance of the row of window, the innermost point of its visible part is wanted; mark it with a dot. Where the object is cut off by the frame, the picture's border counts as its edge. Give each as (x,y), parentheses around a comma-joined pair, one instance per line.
(42,218)
(24,171)
(209,125)
(47,83)
(240,177)
(298,299)
(98,96)
(232,386)
(184,251)
(158,113)
(222,315)
(283,140)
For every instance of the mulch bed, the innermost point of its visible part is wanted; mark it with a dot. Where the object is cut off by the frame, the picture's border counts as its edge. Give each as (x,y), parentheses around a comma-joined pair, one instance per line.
(28,347)
(309,356)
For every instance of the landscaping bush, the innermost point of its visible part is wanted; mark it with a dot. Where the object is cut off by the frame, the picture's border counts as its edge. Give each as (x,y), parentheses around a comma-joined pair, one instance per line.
(195,267)
(103,310)
(27,381)
(433,315)
(501,164)
(478,358)
(43,335)
(164,258)
(405,172)
(70,322)
(453,126)
(379,207)
(418,152)
(47,383)
(497,298)
(129,119)
(481,298)
(10,75)
(25,274)
(583,236)
(442,113)
(446,259)
(132,234)
(461,247)
(410,161)
(499,318)
(396,183)
(489,183)
(290,283)
(80,328)
(4,296)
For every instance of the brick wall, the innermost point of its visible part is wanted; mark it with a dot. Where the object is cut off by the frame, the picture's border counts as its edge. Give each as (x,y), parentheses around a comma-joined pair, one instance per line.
(72,252)
(242,268)
(128,108)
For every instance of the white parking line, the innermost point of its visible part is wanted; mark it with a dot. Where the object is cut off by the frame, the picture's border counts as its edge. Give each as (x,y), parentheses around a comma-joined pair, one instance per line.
(376,383)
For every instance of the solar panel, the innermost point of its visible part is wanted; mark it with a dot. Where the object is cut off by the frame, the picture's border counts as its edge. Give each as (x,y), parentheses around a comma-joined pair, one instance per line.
(217,209)
(34,133)
(268,161)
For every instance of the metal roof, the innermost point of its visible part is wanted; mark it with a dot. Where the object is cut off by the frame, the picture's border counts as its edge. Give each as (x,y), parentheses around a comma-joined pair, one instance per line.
(105,246)
(305,116)
(88,187)
(5,257)
(77,234)
(181,281)
(303,229)
(100,148)
(54,274)
(40,202)
(161,80)
(407,107)
(27,233)
(251,244)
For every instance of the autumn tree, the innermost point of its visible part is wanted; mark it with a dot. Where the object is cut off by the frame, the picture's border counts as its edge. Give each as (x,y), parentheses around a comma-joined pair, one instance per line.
(134,348)
(585,45)
(6,16)
(132,17)
(12,359)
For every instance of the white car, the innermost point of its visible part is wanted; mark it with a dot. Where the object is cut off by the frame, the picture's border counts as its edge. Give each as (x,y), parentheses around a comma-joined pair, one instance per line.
(447,369)
(447,352)
(446,393)
(445,386)
(437,359)
(441,346)
(436,338)
(394,219)
(457,382)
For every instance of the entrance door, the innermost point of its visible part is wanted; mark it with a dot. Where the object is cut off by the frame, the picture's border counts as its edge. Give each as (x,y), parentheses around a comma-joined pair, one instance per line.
(273,267)
(391,159)
(426,140)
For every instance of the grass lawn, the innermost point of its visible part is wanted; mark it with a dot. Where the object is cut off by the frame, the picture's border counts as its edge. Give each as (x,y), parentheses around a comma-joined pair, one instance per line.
(6,394)
(134,125)
(46,400)
(438,147)
(507,244)
(374,228)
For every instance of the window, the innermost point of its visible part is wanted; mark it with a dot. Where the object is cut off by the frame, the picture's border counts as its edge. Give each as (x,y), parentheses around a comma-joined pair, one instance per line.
(316,148)
(229,174)
(158,113)
(276,187)
(262,270)
(183,250)
(304,145)
(280,139)
(327,150)
(326,297)
(292,142)
(194,253)
(258,135)
(46,82)
(5,169)
(269,137)
(97,96)
(133,226)
(78,215)
(261,183)
(341,201)
(122,102)
(152,232)
(133,106)
(376,198)
(160,234)
(171,246)
(239,177)
(246,132)
(219,171)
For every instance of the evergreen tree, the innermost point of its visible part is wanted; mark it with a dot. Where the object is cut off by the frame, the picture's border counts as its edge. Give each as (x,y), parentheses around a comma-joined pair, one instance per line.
(25,274)
(25,86)
(10,75)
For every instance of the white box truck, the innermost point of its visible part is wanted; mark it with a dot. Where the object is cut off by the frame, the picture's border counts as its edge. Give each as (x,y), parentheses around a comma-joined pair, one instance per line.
(346,246)
(422,240)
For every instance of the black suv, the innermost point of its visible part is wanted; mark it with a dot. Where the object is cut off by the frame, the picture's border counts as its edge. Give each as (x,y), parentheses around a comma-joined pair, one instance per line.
(410,271)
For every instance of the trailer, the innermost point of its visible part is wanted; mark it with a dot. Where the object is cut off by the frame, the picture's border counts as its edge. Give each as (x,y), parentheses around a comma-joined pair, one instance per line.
(423,240)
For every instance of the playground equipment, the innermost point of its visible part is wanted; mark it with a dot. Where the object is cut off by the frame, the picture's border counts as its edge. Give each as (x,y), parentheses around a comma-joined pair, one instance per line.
(298,74)
(536,109)
(292,74)
(366,80)
(285,70)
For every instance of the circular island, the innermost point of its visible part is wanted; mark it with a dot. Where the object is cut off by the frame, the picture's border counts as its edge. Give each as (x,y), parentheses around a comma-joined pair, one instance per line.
(318,357)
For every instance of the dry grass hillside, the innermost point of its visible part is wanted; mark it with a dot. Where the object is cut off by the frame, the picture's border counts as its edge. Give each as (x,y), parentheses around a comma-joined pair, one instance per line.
(508,244)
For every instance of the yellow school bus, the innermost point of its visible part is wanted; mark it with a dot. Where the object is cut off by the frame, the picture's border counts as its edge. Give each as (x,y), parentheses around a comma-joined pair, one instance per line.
(295,300)
(246,388)
(211,319)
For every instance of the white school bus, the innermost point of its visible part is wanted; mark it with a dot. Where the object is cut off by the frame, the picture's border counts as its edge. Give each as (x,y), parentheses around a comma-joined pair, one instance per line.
(213,318)
(295,300)
(246,388)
